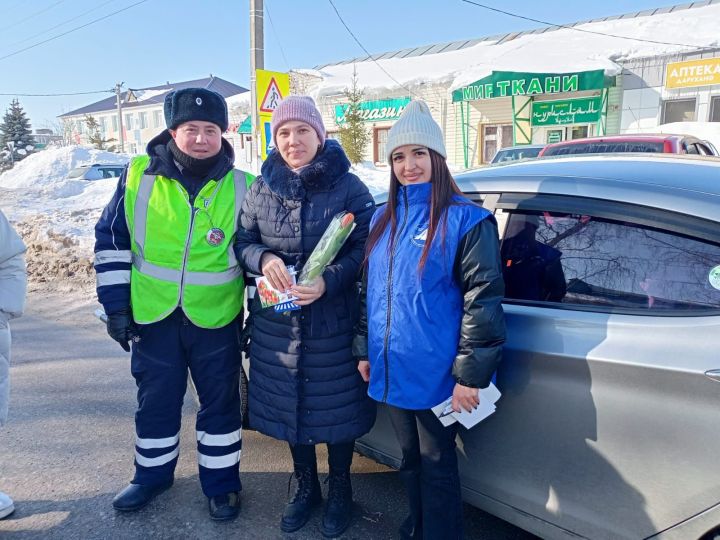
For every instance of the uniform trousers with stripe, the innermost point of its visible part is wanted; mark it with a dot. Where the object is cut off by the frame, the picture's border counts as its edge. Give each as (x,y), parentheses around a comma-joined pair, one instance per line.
(160,363)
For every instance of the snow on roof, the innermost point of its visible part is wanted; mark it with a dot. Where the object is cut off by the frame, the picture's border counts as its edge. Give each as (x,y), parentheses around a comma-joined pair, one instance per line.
(545,50)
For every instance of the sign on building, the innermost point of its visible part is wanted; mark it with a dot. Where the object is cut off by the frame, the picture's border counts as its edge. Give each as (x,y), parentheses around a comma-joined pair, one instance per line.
(512,83)
(566,111)
(380,110)
(692,73)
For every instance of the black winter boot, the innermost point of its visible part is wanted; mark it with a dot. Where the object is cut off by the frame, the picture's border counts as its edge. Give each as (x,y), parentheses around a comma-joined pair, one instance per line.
(307,496)
(338,510)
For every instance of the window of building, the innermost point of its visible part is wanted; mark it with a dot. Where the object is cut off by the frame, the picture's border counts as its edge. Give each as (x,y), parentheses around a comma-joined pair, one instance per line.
(103,124)
(114,123)
(715,109)
(143,120)
(157,119)
(678,110)
(128,122)
(585,260)
(578,132)
(494,138)
(380,135)
(80,126)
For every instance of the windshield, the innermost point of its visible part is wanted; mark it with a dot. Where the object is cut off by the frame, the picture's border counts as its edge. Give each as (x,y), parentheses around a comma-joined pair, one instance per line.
(605,148)
(515,154)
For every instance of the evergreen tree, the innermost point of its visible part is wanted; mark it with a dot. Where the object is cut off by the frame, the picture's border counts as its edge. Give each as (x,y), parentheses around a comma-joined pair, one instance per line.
(95,136)
(354,136)
(15,135)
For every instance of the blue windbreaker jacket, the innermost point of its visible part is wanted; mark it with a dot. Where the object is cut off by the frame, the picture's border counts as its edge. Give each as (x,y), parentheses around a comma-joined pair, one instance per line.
(426,331)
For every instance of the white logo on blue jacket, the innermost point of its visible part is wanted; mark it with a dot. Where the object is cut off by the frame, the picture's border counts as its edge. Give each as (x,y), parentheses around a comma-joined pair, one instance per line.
(420,235)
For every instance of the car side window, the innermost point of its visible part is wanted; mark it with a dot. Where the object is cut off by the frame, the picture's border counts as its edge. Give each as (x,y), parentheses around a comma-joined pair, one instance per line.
(704,150)
(109,172)
(589,261)
(692,148)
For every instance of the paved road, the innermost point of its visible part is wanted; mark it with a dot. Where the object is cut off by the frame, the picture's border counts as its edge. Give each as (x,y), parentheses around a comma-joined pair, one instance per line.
(68,449)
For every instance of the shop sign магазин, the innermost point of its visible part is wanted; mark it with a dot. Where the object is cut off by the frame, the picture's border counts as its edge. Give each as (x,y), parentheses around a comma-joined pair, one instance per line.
(375,111)
(566,111)
(512,83)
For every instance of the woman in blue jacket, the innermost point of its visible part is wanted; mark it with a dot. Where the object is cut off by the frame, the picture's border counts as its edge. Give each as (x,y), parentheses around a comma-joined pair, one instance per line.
(432,324)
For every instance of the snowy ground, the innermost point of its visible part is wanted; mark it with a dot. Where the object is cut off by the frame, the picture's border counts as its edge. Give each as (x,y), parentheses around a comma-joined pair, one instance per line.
(56,216)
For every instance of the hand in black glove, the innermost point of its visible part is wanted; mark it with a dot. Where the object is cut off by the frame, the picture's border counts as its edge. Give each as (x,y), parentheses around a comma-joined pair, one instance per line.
(122,328)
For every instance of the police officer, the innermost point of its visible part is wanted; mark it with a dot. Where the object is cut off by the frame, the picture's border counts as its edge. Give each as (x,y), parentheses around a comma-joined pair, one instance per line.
(172,289)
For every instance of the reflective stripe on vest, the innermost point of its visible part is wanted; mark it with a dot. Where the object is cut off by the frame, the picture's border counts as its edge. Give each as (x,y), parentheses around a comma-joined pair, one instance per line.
(176,265)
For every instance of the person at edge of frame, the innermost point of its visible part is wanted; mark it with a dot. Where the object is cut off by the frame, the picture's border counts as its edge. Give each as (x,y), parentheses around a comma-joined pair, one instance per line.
(13,285)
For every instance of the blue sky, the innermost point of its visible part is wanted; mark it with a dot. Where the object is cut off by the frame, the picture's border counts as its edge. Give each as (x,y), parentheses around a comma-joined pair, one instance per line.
(173,40)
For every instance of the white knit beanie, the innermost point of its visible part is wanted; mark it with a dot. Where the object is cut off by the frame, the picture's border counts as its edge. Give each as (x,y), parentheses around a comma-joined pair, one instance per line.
(416,126)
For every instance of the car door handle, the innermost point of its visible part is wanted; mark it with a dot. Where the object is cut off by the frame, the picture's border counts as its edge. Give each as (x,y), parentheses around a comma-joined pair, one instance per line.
(714,374)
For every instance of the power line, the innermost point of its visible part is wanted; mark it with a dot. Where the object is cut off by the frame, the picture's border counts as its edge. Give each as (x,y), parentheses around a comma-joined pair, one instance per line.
(523,17)
(62,94)
(73,29)
(371,58)
(31,16)
(282,51)
(43,32)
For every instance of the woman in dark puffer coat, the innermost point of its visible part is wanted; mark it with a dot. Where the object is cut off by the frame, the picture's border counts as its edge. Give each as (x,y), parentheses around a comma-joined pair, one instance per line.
(304,383)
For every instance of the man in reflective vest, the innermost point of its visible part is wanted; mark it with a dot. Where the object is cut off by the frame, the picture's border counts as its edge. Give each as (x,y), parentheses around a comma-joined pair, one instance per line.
(171,286)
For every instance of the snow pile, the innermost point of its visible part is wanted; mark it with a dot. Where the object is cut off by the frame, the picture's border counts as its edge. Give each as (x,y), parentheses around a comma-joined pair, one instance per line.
(377,179)
(709,131)
(56,216)
(554,51)
(52,165)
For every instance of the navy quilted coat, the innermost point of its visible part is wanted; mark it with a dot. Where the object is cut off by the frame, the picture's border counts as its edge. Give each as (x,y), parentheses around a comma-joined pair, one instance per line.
(304,384)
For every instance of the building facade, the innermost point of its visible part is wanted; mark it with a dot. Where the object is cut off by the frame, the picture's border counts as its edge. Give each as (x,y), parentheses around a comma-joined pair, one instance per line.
(141,117)
(538,86)
(670,88)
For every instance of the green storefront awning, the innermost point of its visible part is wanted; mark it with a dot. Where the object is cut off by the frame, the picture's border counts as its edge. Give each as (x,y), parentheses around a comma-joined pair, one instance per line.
(513,83)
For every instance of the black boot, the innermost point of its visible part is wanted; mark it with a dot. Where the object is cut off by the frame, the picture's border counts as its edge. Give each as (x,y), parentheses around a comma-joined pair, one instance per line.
(307,496)
(338,511)
(411,528)
(136,496)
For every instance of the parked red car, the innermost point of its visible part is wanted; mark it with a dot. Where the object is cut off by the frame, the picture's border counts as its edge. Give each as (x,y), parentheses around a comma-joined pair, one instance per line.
(664,144)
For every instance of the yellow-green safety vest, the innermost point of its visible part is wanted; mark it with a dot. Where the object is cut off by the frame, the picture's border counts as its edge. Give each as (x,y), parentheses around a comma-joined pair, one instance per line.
(182,254)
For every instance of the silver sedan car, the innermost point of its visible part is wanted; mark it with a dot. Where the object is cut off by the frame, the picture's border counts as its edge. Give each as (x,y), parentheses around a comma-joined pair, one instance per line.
(609,422)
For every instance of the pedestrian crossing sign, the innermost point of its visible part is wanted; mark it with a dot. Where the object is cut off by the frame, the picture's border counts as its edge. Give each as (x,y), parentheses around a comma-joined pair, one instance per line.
(272,97)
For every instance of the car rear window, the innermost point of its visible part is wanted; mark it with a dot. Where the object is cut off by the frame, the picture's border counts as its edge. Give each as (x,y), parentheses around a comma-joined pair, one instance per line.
(585,260)
(605,148)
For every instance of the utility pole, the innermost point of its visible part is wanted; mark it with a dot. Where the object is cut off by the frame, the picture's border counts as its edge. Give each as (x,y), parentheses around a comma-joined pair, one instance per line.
(257,61)
(118,93)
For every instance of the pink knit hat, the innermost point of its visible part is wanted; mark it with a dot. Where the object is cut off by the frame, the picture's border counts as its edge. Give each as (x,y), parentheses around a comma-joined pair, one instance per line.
(300,108)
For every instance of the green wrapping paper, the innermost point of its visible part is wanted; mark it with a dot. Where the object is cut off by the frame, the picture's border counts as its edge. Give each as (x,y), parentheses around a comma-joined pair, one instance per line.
(328,247)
